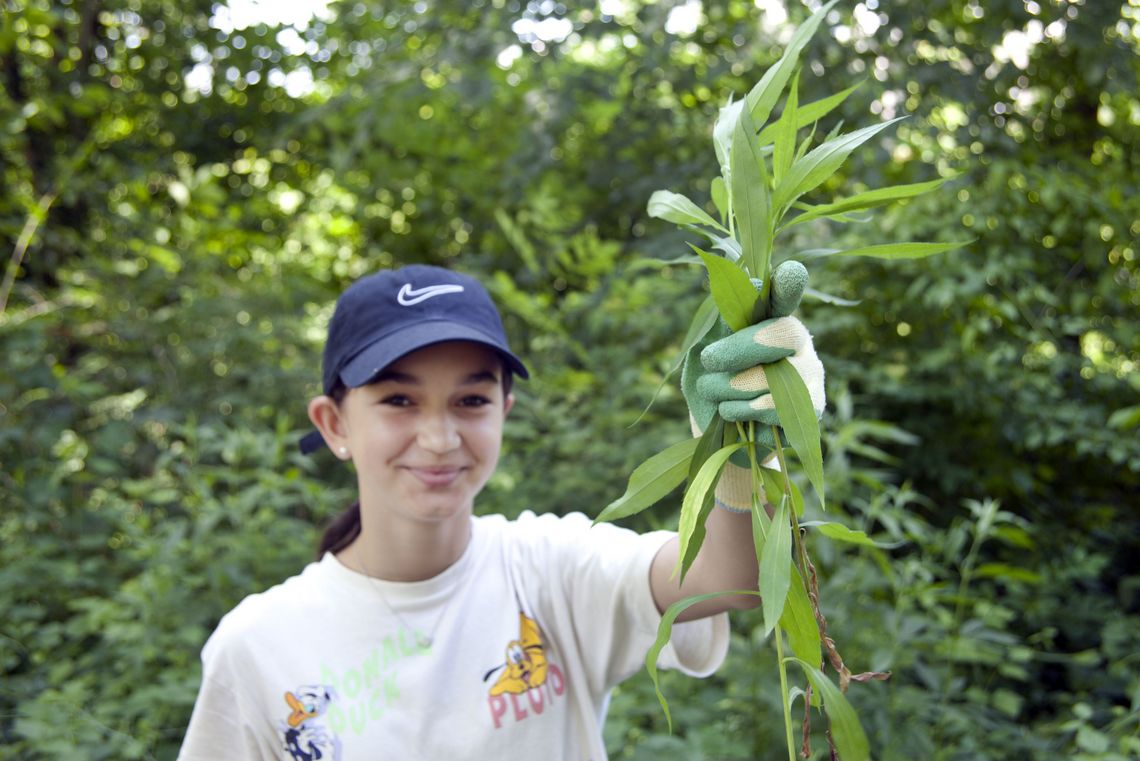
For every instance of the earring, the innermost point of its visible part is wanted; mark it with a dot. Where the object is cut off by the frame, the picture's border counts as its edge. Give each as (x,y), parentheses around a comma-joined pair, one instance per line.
(343,451)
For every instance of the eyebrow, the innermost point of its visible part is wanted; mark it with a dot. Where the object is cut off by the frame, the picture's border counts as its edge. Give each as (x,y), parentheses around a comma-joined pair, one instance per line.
(474,379)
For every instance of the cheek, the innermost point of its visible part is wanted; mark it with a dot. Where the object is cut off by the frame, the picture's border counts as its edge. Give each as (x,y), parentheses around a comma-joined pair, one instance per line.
(488,436)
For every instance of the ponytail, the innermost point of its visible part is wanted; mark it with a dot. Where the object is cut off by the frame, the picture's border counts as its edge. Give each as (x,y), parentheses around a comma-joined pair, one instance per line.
(341,532)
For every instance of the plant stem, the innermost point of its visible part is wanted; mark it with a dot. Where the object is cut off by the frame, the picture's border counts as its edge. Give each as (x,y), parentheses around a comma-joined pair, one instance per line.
(757,489)
(784,693)
(801,548)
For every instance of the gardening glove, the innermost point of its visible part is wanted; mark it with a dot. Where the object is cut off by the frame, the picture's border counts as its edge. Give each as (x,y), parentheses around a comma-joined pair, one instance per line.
(725,374)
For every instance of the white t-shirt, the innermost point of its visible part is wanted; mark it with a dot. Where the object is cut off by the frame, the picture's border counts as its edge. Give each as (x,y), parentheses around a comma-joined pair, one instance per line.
(532,627)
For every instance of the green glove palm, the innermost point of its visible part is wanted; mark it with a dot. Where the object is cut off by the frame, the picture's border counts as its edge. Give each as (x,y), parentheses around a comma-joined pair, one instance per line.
(725,372)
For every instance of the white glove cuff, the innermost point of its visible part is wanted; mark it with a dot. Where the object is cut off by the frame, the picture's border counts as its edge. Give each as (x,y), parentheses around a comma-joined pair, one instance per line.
(734,489)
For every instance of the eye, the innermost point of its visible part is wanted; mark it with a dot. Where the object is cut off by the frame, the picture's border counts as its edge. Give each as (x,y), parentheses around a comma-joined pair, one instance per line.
(396,400)
(474,400)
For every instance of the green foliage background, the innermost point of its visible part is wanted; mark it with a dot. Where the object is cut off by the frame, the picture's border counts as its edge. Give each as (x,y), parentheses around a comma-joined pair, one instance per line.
(173,245)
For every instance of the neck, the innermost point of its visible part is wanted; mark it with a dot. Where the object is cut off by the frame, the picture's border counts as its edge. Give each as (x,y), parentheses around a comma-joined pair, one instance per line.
(405,550)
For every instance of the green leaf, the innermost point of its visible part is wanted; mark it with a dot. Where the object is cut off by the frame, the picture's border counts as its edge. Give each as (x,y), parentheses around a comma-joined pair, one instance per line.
(665,631)
(720,197)
(909,250)
(674,207)
(785,148)
(774,567)
(703,320)
(840,533)
(651,481)
(798,620)
(820,163)
(726,122)
(730,246)
(695,495)
(763,96)
(1125,418)
(751,200)
(865,200)
(849,738)
(734,293)
(710,441)
(797,418)
(774,484)
(809,114)
(1007,572)
(827,298)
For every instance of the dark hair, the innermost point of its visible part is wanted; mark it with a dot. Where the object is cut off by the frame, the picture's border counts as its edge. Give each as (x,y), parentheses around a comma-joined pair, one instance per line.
(344,528)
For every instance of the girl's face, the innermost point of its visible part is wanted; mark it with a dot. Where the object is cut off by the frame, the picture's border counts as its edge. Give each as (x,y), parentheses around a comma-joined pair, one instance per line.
(425,436)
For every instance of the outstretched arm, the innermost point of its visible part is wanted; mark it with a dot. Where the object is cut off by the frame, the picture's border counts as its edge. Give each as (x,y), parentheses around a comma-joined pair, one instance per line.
(726,562)
(727,378)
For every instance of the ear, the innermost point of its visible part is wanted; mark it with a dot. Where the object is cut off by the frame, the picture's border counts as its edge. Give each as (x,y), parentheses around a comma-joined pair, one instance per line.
(508,403)
(324,413)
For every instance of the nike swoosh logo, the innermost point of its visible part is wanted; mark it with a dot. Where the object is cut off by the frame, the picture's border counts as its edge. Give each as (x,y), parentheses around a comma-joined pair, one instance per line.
(409,295)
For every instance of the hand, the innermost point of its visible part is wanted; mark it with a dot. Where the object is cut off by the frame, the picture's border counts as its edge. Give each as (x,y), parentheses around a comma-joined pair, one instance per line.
(727,375)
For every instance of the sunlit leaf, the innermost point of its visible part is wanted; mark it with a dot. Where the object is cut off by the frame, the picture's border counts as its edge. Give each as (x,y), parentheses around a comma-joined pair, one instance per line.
(733,291)
(821,163)
(725,125)
(720,197)
(809,113)
(730,246)
(867,200)
(674,207)
(761,99)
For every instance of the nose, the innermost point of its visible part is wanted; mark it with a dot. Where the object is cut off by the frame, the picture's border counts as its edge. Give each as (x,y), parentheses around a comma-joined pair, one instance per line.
(438,433)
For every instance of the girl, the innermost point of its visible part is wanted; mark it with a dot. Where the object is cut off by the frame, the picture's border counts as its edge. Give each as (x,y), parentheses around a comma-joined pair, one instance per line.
(423,632)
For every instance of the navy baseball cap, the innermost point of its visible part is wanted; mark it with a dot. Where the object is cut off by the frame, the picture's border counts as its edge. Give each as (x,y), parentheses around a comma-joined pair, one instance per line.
(384,316)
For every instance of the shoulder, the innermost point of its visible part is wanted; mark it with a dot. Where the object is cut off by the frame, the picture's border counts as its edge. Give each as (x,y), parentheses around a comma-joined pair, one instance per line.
(572,541)
(259,616)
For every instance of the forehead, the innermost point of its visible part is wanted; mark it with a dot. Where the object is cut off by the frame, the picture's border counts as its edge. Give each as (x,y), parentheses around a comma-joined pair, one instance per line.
(448,358)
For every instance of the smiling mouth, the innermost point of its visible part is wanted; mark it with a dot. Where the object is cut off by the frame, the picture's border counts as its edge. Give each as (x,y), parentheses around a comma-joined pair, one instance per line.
(436,478)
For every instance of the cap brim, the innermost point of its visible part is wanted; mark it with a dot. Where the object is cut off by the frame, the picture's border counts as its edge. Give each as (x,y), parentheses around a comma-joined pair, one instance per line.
(371,360)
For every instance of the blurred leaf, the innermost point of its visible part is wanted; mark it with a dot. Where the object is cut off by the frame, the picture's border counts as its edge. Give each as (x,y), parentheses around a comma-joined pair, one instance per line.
(845,728)
(902,250)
